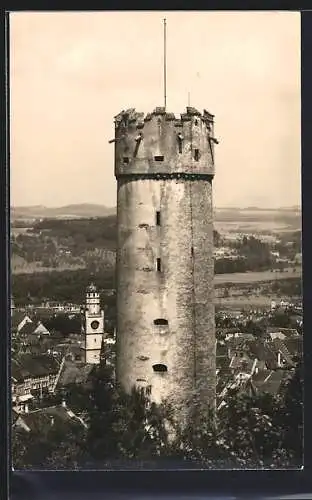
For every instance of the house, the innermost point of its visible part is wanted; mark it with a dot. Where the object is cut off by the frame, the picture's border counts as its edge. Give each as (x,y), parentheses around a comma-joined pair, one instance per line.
(18,321)
(45,418)
(74,373)
(233,334)
(269,382)
(284,358)
(32,328)
(31,375)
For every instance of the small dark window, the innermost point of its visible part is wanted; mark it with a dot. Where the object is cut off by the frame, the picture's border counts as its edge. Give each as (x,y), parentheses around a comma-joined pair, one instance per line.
(143,358)
(160,368)
(141,380)
(196,122)
(159,158)
(157,218)
(126,160)
(192,251)
(160,321)
(158,265)
(196,154)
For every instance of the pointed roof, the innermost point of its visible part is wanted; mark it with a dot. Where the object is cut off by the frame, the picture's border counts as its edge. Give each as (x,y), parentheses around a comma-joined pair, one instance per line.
(28,328)
(30,366)
(45,416)
(91,288)
(17,318)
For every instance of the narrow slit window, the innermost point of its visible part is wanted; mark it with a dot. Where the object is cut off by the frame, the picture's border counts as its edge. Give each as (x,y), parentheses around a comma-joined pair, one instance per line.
(196,154)
(158,218)
(158,264)
(159,158)
(126,160)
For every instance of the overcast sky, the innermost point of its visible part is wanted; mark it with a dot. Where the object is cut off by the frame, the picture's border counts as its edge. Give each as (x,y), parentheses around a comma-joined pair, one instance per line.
(71,73)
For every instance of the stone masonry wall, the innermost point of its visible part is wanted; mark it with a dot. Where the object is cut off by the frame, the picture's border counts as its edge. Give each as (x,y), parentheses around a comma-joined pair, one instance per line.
(180,189)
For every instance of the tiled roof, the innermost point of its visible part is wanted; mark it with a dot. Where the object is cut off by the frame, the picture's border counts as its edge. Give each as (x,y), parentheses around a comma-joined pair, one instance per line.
(223,379)
(294,345)
(30,366)
(28,329)
(263,352)
(74,373)
(222,362)
(14,417)
(45,416)
(281,347)
(288,332)
(17,318)
(269,382)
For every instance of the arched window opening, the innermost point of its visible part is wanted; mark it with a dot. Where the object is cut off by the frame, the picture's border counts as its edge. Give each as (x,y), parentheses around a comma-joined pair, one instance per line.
(160,368)
(161,321)
(180,141)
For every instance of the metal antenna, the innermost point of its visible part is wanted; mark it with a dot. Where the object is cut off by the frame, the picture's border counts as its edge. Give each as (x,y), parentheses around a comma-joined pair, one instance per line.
(165,65)
(189,99)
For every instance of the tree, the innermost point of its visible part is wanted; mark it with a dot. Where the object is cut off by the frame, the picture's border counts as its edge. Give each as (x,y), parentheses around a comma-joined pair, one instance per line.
(292,416)
(121,425)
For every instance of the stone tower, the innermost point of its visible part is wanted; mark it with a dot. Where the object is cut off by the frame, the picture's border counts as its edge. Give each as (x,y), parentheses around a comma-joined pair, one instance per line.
(92,326)
(164,167)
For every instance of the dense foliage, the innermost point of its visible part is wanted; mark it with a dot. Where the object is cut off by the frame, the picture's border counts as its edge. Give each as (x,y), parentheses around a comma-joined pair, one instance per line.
(250,431)
(79,243)
(67,286)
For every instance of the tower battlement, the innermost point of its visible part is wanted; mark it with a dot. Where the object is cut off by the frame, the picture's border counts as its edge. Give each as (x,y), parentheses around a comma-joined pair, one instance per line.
(162,145)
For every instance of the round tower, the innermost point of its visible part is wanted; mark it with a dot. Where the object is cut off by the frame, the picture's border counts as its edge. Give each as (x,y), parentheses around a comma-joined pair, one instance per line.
(164,167)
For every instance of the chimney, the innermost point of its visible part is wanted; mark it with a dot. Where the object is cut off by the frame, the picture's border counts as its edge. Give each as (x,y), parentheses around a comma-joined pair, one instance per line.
(63,403)
(52,421)
(26,409)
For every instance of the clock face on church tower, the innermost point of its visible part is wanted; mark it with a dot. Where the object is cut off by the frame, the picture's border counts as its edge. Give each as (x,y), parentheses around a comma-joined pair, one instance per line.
(95,325)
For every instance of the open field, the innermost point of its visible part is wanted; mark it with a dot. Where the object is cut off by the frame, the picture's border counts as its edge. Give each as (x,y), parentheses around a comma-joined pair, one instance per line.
(242,302)
(255,227)
(254,277)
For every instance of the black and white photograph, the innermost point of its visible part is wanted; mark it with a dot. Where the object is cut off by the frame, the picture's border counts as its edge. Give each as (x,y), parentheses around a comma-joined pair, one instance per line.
(155,240)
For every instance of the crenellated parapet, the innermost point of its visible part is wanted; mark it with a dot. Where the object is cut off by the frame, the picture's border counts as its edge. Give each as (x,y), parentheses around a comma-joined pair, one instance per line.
(162,144)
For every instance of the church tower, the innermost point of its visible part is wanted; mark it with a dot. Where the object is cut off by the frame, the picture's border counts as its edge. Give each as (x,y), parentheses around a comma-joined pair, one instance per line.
(164,166)
(92,326)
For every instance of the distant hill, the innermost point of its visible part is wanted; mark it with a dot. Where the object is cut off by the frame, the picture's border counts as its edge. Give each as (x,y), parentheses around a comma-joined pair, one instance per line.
(92,210)
(66,212)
